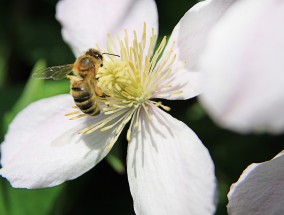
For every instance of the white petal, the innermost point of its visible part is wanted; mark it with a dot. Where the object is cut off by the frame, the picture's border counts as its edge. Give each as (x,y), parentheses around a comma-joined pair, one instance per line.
(260,189)
(190,36)
(243,68)
(43,148)
(169,169)
(86,23)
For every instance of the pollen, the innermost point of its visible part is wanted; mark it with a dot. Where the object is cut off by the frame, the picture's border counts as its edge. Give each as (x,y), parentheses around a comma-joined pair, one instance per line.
(121,81)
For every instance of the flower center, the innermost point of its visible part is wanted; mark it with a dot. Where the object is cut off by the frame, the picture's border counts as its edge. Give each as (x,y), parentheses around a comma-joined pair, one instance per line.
(121,82)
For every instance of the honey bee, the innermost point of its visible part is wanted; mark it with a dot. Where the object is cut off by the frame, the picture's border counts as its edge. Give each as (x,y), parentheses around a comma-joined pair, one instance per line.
(83,84)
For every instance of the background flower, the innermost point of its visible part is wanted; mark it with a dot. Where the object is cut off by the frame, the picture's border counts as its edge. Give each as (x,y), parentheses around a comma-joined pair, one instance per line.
(243,68)
(259,190)
(243,91)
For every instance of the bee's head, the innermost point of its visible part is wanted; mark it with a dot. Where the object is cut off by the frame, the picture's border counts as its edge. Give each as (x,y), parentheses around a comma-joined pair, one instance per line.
(97,55)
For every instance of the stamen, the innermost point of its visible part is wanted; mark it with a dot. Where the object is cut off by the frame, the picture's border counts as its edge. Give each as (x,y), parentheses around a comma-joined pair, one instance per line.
(78,116)
(110,44)
(177,92)
(158,53)
(134,121)
(119,129)
(126,42)
(72,113)
(126,120)
(101,124)
(105,128)
(159,104)
(147,113)
(137,117)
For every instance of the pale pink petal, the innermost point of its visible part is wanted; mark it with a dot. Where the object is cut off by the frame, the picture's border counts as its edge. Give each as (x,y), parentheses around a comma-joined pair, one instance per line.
(43,148)
(86,23)
(169,169)
(190,36)
(243,68)
(259,190)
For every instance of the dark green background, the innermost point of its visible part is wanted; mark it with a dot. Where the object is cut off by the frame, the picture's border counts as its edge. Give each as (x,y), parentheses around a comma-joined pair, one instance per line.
(29,34)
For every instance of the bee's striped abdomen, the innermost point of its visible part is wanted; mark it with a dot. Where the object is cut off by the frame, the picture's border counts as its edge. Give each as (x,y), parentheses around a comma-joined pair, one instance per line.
(85,101)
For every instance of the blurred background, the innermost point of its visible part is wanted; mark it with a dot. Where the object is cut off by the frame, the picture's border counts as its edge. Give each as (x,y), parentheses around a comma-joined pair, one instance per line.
(30,39)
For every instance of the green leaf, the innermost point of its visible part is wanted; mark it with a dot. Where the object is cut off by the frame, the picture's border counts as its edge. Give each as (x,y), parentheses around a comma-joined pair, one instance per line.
(52,88)
(115,163)
(195,112)
(4,55)
(32,92)
(115,158)
(22,201)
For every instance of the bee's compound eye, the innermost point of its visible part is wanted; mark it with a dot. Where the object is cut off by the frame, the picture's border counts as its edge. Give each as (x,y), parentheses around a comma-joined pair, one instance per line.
(98,56)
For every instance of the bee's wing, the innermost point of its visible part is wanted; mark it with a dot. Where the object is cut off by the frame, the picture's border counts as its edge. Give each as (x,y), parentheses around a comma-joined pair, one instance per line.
(55,72)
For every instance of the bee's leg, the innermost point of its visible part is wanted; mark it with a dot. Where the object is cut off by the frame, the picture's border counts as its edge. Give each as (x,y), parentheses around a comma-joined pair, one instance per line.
(75,82)
(73,78)
(99,91)
(97,111)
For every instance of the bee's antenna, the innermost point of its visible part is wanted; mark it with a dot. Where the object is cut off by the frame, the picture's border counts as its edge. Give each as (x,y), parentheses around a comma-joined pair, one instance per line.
(111,54)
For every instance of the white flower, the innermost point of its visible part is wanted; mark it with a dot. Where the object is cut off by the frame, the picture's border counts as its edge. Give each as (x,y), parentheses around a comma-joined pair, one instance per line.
(243,76)
(243,68)
(169,169)
(260,189)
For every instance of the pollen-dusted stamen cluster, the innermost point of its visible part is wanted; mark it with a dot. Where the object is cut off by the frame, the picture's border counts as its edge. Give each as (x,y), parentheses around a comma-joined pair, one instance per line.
(121,83)
(130,81)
